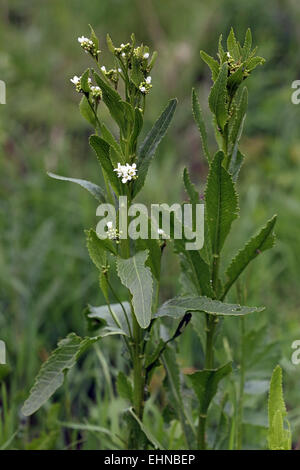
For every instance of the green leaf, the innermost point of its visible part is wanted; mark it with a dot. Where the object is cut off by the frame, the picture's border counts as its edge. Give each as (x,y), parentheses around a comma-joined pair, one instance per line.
(110,317)
(152,439)
(98,247)
(94,189)
(150,144)
(253,62)
(221,203)
(84,81)
(239,118)
(190,188)
(212,63)
(113,101)
(110,44)
(197,113)
(236,164)
(279,438)
(110,140)
(137,278)
(218,97)
(199,270)
(247,45)
(205,384)
(260,242)
(232,45)
(138,124)
(124,387)
(177,307)
(102,151)
(86,111)
(51,374)
(94,38)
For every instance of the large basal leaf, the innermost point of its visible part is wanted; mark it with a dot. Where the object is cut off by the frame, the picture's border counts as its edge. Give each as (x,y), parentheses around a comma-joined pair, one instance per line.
(279,437)
(92,188)
(136,276)
(149,146)
(179,306)
(51,375)
(221,203)
(262,241)
(218,97)
(197,113)
(110,318)
(205,384)
(103,154)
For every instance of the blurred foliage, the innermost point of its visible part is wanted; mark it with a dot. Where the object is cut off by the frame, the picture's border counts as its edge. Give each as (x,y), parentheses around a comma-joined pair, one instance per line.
(46,277)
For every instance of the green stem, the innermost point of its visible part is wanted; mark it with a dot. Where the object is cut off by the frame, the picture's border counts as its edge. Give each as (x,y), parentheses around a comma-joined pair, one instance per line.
(201,432)
(242,386)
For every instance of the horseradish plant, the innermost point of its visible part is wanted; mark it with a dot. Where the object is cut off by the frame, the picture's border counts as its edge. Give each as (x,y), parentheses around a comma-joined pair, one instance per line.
(124,162)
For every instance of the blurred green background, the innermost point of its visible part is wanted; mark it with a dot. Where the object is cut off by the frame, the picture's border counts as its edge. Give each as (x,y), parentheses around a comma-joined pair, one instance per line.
(46,277)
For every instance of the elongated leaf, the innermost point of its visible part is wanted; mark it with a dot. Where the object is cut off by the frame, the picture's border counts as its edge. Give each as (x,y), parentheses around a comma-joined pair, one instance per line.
(110,317)
(152,439)
(51,375)
(262,241)
(110,139)
(190,188)
(232,45)
(92,188)
(137,278)
(237,127)
(102,151)
(221,203)
(86,111)
(179,306)
(205,384)
(279,437)
(212,63)
(197,113)
(150,144)
(247,45)
(113,101)
(218,97)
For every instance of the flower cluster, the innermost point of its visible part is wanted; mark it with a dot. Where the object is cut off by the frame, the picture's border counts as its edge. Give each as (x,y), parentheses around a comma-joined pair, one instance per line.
(126,172)
(123,51)
(145,86)
(113,233)
(89,46)
(77,82)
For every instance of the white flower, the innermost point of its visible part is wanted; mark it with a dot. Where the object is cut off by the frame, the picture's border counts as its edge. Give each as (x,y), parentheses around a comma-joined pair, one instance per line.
(119,70)
(142,89)
(228,55)
(103,68)
(123,54)
(122,45)
(146,55)
(109,225)
(83,39)
(126,172)
(75,80)
(148,80)
(89,80)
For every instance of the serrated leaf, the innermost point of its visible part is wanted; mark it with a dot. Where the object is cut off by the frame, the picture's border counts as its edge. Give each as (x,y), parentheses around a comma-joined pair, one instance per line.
(138,279)
(205,384)
(197,113)
(151,438)
(260,242)
(218,97)
(212,63)
(190,187)
(92,188)
(124,387)
(110,44)
(51,374)
(221,203)
(232,45)
(236,128)
(247,45)
(102,151)
(150,144)
(179,306)
(235,165)
(86,111)
(279,437)
(253,62)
